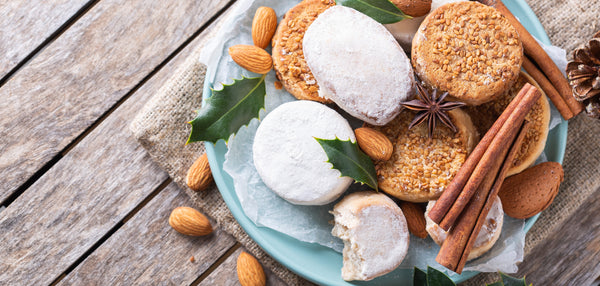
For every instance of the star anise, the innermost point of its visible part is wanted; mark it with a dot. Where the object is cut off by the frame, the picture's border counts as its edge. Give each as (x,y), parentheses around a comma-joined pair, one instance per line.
(432,108)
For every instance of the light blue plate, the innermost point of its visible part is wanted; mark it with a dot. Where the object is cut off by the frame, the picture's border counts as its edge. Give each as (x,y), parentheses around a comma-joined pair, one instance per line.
(320,264)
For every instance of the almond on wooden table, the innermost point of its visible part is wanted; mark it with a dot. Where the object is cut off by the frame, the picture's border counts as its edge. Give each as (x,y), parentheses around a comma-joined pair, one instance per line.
(249,271)
(264,25)
(189,221)
(252,58)
(199,176)
(374,143)
(415,218)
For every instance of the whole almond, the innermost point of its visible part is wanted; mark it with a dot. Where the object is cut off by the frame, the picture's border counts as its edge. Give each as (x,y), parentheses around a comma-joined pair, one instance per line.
(374,143)
(531,191)
(199,176)
(251,58)
(414,8)
(415,218)
(189,221)
(249,271)
(264,25)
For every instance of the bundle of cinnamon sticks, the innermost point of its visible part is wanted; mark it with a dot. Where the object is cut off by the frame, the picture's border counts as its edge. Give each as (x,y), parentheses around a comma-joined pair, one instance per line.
(465,203)
(538,64)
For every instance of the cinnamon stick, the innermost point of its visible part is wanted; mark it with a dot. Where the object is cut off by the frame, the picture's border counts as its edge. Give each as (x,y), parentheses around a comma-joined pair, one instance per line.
(460,240)
(540,57)
(444,203)
(499,145)
(548,88)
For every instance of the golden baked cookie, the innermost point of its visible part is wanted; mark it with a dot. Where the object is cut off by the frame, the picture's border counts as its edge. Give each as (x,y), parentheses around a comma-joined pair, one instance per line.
(288,57)
(535,140)
(468,49)
(421,168)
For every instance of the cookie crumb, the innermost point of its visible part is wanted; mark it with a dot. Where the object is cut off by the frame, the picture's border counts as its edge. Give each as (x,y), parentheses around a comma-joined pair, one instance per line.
(278,85)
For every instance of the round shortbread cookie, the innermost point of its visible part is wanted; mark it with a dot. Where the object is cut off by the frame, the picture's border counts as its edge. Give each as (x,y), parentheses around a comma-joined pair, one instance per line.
(288,57)
(289,159)
(358,64)
(375,234)
(487,237)
(420,168)
(468,49)
(534,142)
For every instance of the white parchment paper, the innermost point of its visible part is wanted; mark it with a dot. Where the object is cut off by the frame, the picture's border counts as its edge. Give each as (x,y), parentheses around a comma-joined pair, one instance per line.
(312,223)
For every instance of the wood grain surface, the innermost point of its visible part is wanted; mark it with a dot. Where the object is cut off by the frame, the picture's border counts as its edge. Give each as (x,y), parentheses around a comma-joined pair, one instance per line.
(89,68)
(571,255)
(147,251)
(102,180)
(226,273)
(25,25)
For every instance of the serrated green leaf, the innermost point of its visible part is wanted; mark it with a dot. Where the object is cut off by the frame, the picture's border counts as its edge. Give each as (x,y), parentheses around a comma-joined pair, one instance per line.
(382,11)
(228,109)
(511,281)
(350,161)
(419,277)
(499,283)
(438,278)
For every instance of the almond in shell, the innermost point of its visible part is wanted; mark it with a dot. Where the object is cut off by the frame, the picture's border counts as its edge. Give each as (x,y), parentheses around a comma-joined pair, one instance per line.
(251,58)
(189,221)
(249,271)
(264,25)
(531,191)
(374,143)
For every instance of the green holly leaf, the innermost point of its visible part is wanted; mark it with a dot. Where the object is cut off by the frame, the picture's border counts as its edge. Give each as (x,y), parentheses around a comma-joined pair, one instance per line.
(382,11)
(350,161)
(511,281)
(228,109)
(438,278)
(499,283)
(419,277)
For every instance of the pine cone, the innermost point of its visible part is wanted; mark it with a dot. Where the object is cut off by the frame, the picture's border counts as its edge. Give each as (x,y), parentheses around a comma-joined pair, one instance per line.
(584,76)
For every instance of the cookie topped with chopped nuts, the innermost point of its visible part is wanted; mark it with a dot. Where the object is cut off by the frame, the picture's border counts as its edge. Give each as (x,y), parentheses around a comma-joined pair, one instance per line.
(420,167)
(534,142)
(468,49)
(288,56)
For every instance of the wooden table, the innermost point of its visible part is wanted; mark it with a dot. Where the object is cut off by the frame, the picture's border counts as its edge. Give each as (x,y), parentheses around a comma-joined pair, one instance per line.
(81,200)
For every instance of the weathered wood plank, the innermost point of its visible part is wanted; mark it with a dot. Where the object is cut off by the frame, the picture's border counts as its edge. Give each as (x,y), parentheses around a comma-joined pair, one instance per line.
(81,198)
(25,25)
(77,78)
(570,255)
(147,251)
(226,273)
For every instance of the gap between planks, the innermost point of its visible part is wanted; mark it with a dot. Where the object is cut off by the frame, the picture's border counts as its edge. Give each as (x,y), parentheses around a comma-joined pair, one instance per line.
(115,228)
(39,173)
(66,25)
(217,263)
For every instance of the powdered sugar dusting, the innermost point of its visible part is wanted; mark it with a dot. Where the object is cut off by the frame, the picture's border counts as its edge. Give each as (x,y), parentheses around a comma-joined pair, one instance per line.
(358,64)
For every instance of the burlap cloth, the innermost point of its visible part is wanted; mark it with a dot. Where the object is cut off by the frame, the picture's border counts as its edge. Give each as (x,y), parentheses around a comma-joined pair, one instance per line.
(160,127)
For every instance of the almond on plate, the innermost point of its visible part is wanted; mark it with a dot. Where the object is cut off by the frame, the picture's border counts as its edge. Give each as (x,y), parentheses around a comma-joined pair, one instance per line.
(415,218)
(415,8)
(251,58)
(249,271)
(264,25)
(531,191)
(374,143)
(189,221)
